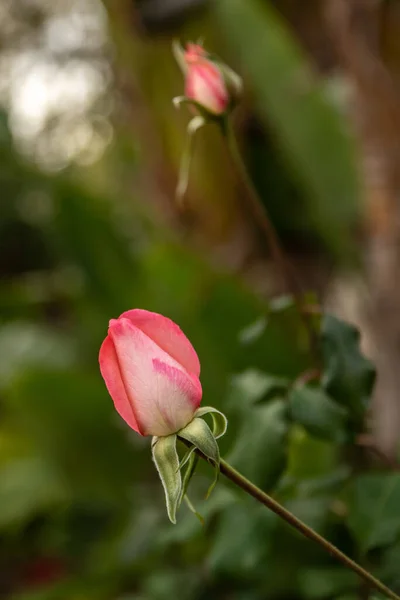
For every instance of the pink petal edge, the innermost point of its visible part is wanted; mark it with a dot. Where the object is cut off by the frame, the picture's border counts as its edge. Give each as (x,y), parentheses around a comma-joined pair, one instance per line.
(110,370)
(167,335)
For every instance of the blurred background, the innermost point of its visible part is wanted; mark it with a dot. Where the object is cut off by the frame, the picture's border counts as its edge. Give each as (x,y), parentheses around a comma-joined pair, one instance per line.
(90,145)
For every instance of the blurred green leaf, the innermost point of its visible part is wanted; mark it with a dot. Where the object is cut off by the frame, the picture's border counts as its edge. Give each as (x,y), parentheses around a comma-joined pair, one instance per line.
(24,345)
(348,376)
(252,386)
(312,510)
(28,487)
(309,457)
(316,584)
(373,509)
(259,451)
(389,568)
(321,416)
(243,540)
(308,128)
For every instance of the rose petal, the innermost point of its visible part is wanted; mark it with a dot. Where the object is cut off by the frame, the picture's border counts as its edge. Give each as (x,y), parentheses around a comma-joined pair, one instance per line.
(167,335)
(205,84)
(111,373)
(164,396)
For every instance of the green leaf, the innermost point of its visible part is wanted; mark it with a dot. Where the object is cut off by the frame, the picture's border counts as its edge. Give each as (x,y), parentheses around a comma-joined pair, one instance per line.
(309,130)
(348,376)
(243,539)
(316,584)
(373,509)
(199,434)
(252,386)
(260,448)
(308,457)
(166,460)
(388,570)
(321,416)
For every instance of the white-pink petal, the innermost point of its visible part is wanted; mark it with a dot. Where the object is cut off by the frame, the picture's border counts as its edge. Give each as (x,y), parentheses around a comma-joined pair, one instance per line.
(163,395)
(167,335)
(111,373)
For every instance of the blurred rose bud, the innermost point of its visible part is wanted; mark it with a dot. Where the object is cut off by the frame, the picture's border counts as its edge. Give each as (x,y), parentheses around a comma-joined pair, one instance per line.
(209,83)
(151,371)
(204,81)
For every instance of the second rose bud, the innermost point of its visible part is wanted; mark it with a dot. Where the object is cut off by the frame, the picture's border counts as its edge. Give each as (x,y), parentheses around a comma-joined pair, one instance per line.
(209,84)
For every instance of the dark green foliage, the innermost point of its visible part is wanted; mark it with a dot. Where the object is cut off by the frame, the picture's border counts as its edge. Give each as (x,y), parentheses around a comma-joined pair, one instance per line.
(348,375)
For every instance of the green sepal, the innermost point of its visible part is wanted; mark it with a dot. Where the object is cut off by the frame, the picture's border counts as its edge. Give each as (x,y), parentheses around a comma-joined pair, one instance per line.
(192,509)
(220,422)
(186,457)
(190,469)
(183,181)
(179,54)
(214,483)
(166,459)
(198,433)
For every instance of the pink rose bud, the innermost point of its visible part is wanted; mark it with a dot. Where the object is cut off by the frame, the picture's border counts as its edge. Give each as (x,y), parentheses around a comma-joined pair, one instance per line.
(151,371)
(205,82)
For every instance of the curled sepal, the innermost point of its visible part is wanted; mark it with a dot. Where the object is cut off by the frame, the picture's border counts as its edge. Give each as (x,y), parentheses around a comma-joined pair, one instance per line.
(193,509)
(166,460)
(200,435)
(179,54)
(193,460)
(220,422)
(183,181)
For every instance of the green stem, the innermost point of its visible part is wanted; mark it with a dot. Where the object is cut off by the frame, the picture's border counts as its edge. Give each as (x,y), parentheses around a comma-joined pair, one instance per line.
(261,217)
(259,212)
(251,489)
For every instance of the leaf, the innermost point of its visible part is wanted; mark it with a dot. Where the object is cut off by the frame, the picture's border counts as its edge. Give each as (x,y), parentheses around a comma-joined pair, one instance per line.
(260,448)
(348,376)
(309,130)
(166,460)
(308,457)
(316,584)
(388,570)
(373,509)
(252,386)
(311,407)
(243,540)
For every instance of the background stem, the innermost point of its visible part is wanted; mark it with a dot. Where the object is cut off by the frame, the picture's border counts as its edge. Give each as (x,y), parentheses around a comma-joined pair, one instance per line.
(261,217)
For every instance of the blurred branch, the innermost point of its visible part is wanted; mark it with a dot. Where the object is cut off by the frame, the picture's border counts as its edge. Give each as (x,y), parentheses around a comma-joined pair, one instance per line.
(261,217)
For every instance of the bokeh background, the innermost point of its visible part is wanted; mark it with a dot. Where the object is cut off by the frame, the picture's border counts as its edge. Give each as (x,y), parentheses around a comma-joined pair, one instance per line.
(90,145)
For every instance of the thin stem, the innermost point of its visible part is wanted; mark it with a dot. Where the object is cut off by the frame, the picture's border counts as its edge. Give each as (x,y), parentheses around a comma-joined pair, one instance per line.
(261,217)
(260,214)
(251,489)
